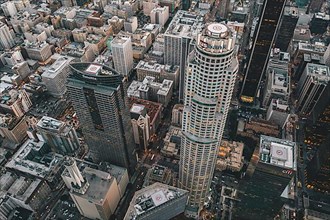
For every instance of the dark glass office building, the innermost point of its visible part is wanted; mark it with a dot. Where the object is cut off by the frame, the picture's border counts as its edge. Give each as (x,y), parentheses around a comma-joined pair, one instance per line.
(317,139)
(288,24)
(264,38)
(98,96)
(268,182)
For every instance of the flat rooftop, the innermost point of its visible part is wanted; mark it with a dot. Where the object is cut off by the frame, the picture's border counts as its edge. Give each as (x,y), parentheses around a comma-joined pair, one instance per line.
(149,198)
(278,152)
(320,73)
(19,187)
(57,67)
(185,24)
(50,123)
(35,158)
(149,66)
(99,184)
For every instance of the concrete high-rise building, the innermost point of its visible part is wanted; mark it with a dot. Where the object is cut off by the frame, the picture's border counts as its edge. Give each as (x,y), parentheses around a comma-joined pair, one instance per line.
(159,15)
(177,113)
(61,137)
(98,96)
(183,28)
(277,84)
(311,86)
(15,102)
(96,193)
(13,128)
(9,8)
(6,37)
(122,54)
(265,35)
(131,24)
(209,83)
(141,125)
(55,77)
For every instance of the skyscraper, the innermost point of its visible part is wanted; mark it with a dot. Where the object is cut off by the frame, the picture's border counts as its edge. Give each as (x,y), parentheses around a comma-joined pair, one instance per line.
(311,86)
(209,83)
(6,38)
(122,54)
(288,24)
(269,180)
(61,137)
(265,35)
(97,95)
(183,28)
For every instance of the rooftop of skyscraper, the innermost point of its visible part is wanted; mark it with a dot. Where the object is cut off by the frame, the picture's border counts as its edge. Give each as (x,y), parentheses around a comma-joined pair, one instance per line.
(8,121)
(320,73)
(278,152)
(216,38)
(36,159)
(94,69)
(185,24)
(149,198)
(99,184)
(57,67)
(53,125)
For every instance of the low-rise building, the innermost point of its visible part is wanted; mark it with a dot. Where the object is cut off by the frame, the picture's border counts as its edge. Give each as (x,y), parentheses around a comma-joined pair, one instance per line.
(158,173)
(148,89)
(230,156)
(159,71)
(36,159)
(28,193)
(172,142)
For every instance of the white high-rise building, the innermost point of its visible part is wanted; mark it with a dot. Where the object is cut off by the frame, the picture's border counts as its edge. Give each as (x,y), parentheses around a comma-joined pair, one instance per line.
(122,54)
(6,38)
(9,8)
(159,15)
(209,83)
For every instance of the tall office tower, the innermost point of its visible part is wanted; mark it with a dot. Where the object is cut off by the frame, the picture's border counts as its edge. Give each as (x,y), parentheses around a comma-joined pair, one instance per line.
(265,35)
(55,77)
(183,28)
(311,86)
(141,126)
(317,139)
(9,8)
(277,83)
(95,193)
(122,54)
(98,96)
(224,9)
(269,180)
(61,137)
(209,83)
(288,24)
(6,38)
